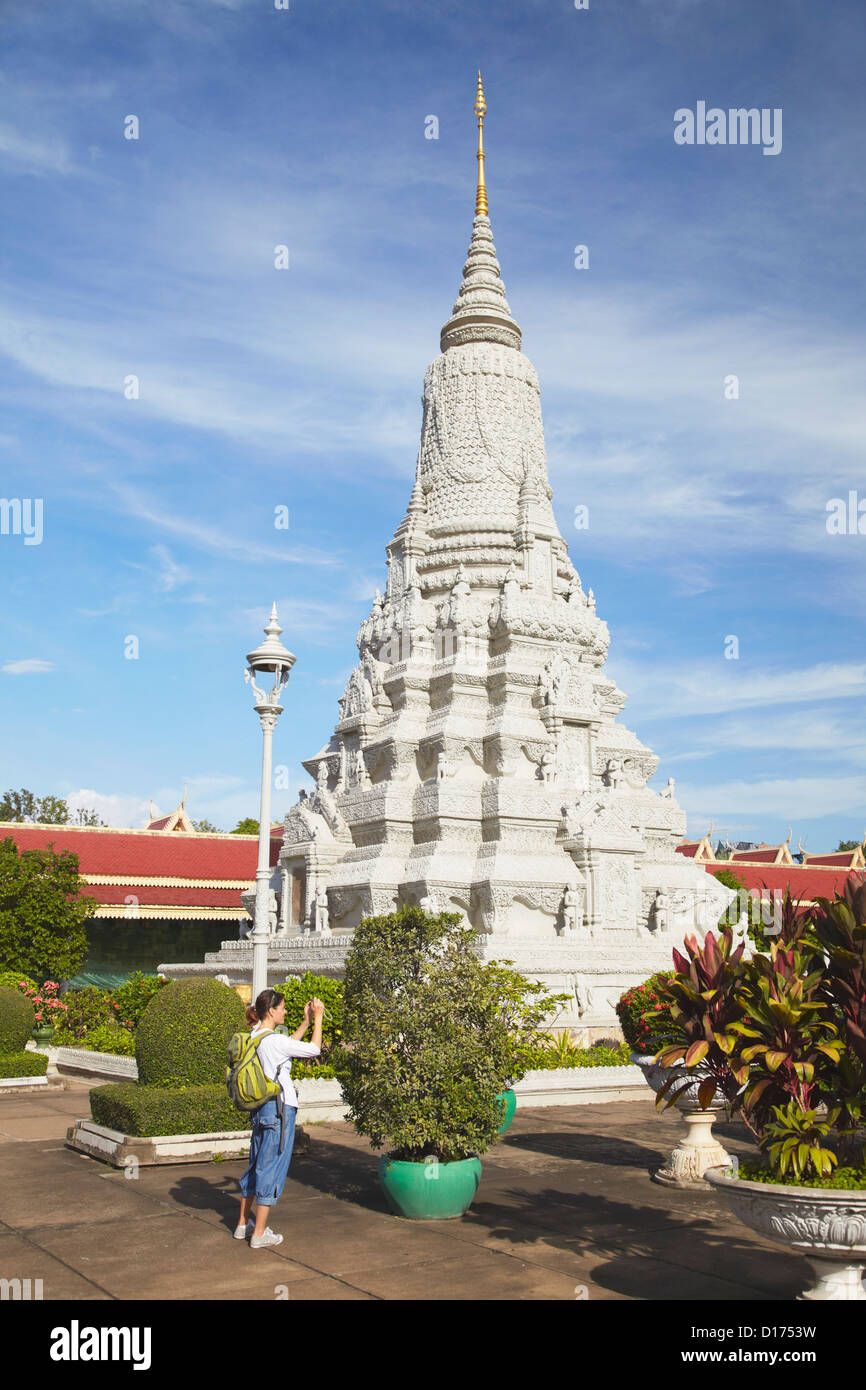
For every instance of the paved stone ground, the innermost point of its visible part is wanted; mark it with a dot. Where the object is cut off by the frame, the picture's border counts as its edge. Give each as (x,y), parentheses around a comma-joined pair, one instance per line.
(566,1209)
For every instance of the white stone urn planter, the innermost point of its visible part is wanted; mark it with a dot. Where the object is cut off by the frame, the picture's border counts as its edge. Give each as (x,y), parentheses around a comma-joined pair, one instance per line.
(697,1149)
(827,1225)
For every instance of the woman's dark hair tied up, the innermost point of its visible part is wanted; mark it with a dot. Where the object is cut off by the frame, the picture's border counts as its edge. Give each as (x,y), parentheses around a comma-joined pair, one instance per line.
(268,999)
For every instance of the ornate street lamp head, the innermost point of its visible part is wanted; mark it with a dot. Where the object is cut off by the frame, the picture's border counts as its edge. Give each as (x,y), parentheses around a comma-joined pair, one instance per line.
(270,656)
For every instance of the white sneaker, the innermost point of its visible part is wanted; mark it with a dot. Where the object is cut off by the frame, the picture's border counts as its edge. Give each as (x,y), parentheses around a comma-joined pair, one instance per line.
(267,1238)
(241,1232)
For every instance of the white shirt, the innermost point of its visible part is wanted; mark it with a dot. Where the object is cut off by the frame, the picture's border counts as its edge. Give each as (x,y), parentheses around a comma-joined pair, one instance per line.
(276,1050)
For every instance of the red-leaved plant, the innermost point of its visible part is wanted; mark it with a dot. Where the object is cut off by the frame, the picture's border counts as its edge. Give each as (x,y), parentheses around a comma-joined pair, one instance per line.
(703,1005)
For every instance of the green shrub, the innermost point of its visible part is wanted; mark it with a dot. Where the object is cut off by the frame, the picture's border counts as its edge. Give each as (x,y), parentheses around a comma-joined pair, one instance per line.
(144,1110)
(313,1070)
(13,979)
(427,1048)
(133,997)
(87,1008)
(23,1064)
(542,1057)
(524,1005)
(16,1020)
(644,1017)
(841,1178)
(298,989)
(184,1033)
(107,1037)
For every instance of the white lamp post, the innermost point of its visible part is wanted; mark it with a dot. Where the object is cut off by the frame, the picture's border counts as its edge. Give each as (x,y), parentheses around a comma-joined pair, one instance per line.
(270,657)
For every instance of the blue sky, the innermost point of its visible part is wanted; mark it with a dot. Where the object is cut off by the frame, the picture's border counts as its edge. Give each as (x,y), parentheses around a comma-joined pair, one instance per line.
(262,387)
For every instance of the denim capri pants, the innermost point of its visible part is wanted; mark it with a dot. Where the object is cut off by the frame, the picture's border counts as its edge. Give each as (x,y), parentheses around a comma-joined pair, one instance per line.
(268,1168)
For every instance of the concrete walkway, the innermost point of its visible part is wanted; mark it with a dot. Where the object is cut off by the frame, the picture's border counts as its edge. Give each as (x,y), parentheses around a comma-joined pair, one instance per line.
(566,1210)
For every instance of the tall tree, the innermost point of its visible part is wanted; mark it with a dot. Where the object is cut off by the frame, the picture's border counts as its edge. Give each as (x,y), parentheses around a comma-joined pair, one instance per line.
(205,827)
(18,806)
(50,810)
(847,844)
(247,826)
(42,912)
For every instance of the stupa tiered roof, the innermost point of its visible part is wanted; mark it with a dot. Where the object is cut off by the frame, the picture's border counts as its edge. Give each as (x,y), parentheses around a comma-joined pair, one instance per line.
(478,763)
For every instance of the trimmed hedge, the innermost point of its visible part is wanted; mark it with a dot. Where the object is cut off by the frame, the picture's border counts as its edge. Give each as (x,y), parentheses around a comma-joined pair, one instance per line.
(23,1064)
(17,1018)
(147,1110)
(108,1037)
(184,1033)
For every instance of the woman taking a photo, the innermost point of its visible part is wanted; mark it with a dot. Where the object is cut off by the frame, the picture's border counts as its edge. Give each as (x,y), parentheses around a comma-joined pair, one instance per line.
(273,1134)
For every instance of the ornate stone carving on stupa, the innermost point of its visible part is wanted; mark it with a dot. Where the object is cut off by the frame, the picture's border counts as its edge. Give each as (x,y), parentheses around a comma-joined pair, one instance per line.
(477,761)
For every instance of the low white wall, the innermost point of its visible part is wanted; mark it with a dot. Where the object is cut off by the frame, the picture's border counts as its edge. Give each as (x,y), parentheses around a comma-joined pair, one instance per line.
(322,1100)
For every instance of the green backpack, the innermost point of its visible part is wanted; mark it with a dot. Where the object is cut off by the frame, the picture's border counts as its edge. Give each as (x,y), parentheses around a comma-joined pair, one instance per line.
(248,1087)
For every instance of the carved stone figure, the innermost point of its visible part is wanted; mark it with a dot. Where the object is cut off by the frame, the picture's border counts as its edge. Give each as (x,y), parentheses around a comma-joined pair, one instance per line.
(667,790)
(662,913)
(612,772)
(583,995)
(322,911)
(572,908)
(548,766)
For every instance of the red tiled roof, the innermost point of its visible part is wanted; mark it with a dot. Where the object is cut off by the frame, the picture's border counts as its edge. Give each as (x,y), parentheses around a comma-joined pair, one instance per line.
(754,856)
(149,852)
(167,895)
(839,860)
(688,848)
(805,883)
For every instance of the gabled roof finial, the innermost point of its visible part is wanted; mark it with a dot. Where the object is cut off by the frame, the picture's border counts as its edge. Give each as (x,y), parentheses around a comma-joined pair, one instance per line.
(480,108)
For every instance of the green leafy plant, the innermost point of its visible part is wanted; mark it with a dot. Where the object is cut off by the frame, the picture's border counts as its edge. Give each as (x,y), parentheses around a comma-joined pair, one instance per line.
(129,1001)
(184,1033)
(86,1008)
(427,1047)
(42,912)
(16,1020)
(524,1007)
(644,1015)
(563,1053)
(105,1037)
(14,979)
(298,989)
(796,1140)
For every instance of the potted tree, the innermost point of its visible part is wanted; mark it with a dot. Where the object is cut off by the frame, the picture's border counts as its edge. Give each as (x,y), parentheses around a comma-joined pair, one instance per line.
(427,1053)
(797,1058)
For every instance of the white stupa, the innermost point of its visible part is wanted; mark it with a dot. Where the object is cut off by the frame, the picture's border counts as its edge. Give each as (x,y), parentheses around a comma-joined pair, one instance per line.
(477,764)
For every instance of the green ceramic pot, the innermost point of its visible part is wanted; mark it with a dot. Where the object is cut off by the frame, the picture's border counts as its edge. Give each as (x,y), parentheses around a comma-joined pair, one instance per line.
(429,1191)
(508,1101)
(43,1032)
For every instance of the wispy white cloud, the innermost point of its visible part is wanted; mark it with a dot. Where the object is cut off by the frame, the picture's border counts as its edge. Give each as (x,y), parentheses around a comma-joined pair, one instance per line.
(27,666)
(789,799)
(33,155)
(709,688)
(216,539)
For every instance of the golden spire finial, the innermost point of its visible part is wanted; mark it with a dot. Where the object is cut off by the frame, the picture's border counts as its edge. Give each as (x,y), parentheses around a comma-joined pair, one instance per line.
(480,108)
